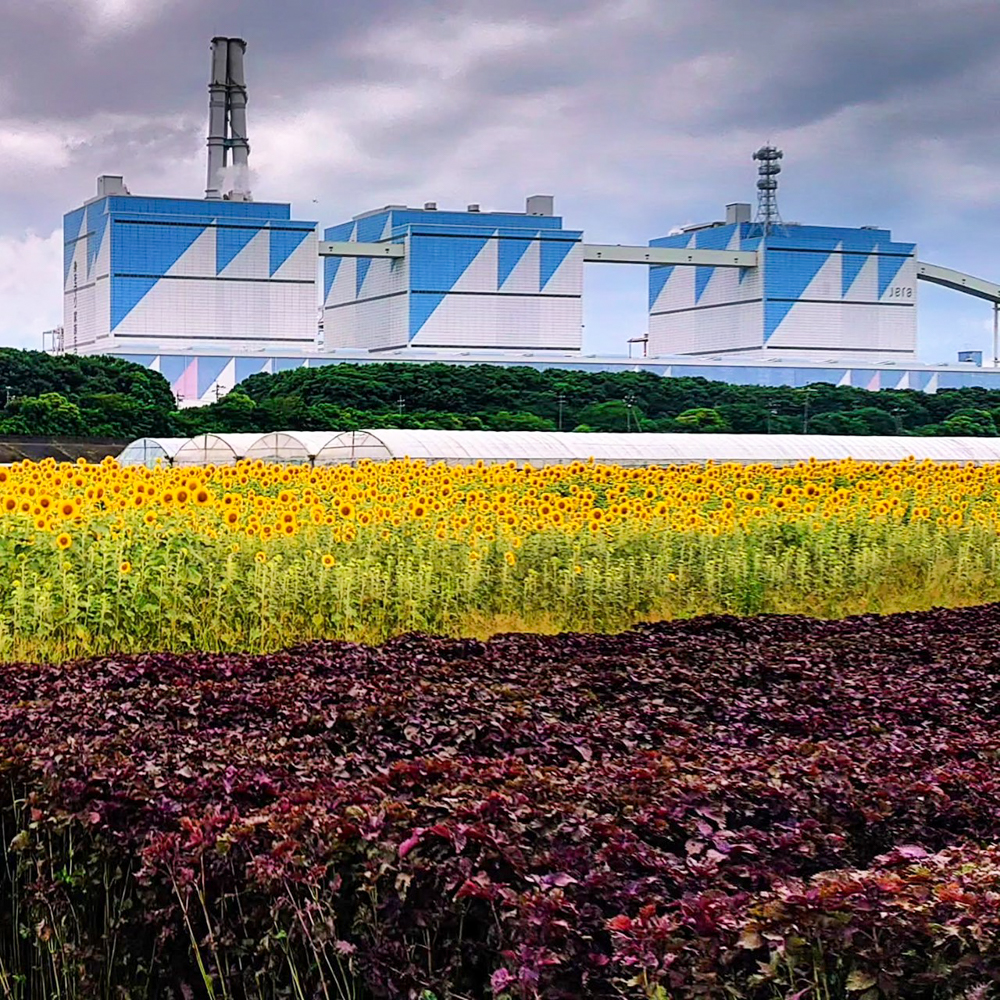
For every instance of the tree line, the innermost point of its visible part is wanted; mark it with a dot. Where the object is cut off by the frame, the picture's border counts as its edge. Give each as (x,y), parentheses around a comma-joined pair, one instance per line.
(108,397)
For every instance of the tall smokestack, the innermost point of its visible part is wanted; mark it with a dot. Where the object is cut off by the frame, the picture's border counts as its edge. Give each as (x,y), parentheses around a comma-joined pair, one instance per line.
(218,102)
(228,176)
(238,122)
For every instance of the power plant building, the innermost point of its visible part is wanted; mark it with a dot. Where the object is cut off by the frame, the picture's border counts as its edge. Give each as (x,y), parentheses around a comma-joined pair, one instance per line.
(142,273)
(225,271)
(497,280)
(817,293)
(209,291)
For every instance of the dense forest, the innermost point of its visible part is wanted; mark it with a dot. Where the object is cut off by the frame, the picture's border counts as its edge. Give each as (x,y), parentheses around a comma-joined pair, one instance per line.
(477,397)
(68,395)
(108,397)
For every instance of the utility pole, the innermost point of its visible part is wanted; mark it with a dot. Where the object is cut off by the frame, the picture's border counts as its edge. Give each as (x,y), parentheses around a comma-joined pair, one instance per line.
(629,402)
(400,405)
(771,414)
(996,334)
(896,411)
(561,400)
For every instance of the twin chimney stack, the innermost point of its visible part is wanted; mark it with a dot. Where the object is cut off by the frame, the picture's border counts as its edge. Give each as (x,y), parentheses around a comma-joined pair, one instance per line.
(228,148)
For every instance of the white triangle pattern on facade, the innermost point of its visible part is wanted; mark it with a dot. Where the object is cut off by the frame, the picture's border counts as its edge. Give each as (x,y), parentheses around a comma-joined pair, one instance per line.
(481,274)
(864,288)
(151,315)
(905,276)
(678,290)
(452,313)
(723,285)
(224,382)
(199,258)
(826,282)
(344,284)
(568,275)
(302,263)
(526,275)
(102,263)
(369,266)
(253,260)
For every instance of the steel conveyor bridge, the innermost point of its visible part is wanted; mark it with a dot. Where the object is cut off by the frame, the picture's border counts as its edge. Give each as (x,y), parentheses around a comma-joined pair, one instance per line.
(597,253)
(959,282)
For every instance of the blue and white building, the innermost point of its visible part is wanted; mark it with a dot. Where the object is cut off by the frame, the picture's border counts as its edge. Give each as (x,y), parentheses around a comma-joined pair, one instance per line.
(496,280)
(143,274)
(211,291)
(818,292)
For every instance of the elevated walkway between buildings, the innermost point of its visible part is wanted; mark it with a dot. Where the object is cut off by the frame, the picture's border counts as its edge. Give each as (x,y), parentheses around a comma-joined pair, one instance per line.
(959,282)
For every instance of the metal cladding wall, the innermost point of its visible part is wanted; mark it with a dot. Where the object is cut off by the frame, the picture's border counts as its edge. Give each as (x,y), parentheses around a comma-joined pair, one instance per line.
(695,310)
(364,299)
(819,290)
(86,258)
(468,280)
(170,269)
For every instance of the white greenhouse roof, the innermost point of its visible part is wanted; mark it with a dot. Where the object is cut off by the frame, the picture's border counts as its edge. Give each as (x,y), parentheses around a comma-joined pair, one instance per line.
(215,449)
(148,450)
(549,448)
(290,447)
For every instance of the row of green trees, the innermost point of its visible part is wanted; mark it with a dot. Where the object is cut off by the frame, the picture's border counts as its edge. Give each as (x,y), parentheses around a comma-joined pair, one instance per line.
(488,397)
(108,397)
(67,395)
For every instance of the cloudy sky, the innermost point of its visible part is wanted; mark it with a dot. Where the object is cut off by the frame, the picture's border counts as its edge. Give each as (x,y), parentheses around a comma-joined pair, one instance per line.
(638,115)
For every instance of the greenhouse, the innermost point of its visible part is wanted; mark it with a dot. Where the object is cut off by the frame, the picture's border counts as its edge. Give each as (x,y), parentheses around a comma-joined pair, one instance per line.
(215,449)
(539,448)
(149,451)
(291,447)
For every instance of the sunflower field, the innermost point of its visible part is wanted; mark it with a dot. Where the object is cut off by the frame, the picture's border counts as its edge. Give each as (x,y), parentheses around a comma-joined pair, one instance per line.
(254,557)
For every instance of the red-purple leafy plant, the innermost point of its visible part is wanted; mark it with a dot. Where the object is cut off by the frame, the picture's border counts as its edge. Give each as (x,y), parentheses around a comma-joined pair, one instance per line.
(720,807)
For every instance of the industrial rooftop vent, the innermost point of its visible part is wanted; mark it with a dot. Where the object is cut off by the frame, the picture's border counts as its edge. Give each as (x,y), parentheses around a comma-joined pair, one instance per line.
(540,204)
(228,148)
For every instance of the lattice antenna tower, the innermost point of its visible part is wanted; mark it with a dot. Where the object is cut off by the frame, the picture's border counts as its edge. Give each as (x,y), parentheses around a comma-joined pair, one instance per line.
(767,188)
